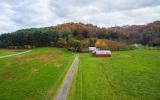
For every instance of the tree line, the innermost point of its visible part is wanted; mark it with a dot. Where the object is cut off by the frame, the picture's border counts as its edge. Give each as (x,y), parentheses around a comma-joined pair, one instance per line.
(76,36)
(42,37)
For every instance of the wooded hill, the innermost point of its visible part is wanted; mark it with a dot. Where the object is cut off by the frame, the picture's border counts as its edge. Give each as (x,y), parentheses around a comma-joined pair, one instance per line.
(144,34)
(79,34)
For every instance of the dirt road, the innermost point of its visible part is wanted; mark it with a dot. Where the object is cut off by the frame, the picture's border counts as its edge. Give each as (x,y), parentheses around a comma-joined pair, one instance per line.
(15,54)
(63,91)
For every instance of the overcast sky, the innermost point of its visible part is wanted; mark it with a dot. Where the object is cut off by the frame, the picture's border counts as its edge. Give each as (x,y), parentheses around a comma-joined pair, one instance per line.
(17,14)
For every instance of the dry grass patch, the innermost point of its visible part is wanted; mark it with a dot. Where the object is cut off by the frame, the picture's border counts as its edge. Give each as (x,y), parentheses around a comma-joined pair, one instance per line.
(8,74)
(41,58)
(34,70)
(46,57)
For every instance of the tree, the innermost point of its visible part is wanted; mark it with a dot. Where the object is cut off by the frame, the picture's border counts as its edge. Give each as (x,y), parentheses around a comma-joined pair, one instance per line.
(112,36)
(102,44)
(66,34)
(74,44)
(61,43)
(85,44)
(98,44)
(92,42)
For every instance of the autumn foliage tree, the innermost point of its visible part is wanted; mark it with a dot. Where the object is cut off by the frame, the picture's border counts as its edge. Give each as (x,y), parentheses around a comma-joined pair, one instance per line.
(102,44)
(98,44)
(105,45)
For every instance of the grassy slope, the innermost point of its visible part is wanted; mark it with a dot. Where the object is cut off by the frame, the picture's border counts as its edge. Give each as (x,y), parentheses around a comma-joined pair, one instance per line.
(35,75)
(128,75)
(4,52)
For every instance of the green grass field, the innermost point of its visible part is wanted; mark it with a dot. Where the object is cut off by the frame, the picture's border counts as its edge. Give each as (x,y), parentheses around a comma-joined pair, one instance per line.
(33,76)
(4,52)
(37,75)
(127,75)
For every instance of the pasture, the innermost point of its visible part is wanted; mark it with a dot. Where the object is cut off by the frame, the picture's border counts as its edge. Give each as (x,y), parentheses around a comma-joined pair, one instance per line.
(127,75)
(4,52)
(35,75)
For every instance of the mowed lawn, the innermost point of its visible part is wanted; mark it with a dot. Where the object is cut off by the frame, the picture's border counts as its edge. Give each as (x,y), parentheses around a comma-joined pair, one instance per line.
(127,75)
(35,75)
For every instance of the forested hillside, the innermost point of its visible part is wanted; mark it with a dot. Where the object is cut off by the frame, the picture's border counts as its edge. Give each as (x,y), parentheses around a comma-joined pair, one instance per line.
(79,35)
(145,34)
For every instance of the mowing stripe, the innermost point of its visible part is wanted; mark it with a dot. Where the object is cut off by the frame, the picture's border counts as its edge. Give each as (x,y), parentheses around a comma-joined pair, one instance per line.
(63,91)
(15,54)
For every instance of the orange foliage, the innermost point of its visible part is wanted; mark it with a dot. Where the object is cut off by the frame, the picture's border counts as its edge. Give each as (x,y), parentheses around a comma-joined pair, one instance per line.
(102,44)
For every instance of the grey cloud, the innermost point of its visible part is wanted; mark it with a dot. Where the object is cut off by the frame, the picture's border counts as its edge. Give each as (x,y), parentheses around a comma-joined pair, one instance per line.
(16,14)
(120,5)
(59,10)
